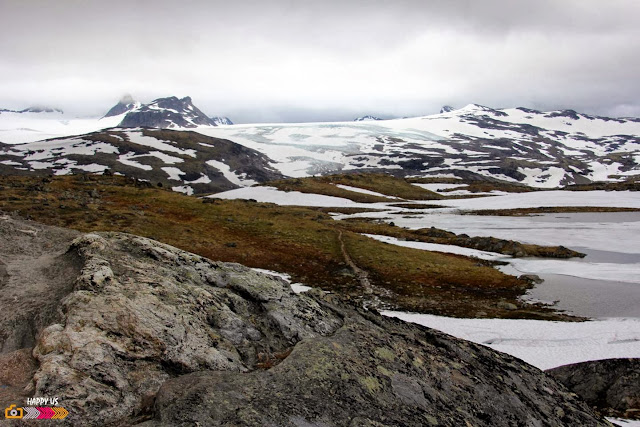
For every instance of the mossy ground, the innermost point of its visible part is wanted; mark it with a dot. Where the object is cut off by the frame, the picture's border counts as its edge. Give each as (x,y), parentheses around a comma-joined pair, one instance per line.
(298,241)
(474,186)
(443,237)
(379,183)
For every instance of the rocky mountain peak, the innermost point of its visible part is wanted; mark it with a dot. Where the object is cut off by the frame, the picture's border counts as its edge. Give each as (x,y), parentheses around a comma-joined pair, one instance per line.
(169,112)
(41,109)
(366,118)
(126,103)
(446,109)
(222,120)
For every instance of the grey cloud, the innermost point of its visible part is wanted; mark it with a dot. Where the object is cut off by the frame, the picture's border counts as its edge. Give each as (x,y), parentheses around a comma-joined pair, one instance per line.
(300,60)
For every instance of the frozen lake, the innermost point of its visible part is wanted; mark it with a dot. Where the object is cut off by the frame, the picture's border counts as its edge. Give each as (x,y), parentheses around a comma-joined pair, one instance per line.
(606,283)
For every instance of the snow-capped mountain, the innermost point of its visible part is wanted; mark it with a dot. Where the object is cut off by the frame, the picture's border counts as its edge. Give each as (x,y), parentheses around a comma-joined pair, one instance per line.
(25,126)
(34,109)
(541,149)
(28,125)
(519,145)
(366,118)
(221,121)
(126,104)
(446,109)
(165,113)
(184,161)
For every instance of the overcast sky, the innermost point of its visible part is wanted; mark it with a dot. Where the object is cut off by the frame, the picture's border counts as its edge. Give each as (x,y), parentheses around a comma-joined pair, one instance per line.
(297,60)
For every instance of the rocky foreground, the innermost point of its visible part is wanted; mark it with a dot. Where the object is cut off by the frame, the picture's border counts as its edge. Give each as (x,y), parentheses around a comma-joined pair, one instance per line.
(125,330)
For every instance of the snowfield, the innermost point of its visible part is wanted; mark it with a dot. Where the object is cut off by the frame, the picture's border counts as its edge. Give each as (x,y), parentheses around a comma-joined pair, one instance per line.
(17,128)
(290,198)
(473,138)
(620,199)
(543,344)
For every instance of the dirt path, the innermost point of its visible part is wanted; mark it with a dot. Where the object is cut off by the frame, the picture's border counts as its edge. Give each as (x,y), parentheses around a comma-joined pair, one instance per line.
(362,275)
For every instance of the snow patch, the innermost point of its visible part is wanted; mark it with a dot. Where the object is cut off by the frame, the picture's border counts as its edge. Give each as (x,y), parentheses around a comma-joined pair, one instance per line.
(183,189)
(174,173)
(237,179)
(543,344)
(363,191)
(126,159)
(288,198)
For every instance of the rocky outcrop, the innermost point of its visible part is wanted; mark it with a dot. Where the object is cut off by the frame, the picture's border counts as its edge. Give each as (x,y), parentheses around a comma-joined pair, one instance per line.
(612,386)
(147,333)
(374,371)
(221,120)
(493,244)
(366,118)
(143,312)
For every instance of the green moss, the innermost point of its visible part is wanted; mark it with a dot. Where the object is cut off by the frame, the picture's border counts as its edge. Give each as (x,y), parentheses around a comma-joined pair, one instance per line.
(371,384)
(384,371)
(379,183)
(385,353)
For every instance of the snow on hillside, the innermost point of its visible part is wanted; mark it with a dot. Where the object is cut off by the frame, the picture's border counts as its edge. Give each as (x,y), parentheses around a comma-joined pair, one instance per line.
(291,198)
(517,145)
(174,159)
(541,149)
(16,128)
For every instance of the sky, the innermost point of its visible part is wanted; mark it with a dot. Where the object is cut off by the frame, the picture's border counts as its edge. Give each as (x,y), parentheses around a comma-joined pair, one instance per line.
(321,60)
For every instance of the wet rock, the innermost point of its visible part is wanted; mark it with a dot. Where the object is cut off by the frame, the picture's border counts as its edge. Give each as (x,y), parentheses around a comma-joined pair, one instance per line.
(507,306)
(612,385)
(531,278)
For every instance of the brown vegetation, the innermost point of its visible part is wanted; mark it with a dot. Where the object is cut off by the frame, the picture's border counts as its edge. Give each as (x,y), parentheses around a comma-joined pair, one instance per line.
(298,241)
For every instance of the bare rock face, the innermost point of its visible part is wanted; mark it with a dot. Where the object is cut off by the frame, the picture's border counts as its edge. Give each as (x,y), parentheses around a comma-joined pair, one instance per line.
(143,312)
(612,385)
(375,371)
(145,333)
(36,272)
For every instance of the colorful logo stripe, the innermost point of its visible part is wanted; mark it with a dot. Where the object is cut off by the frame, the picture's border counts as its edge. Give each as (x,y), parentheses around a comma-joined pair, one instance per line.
(44,413)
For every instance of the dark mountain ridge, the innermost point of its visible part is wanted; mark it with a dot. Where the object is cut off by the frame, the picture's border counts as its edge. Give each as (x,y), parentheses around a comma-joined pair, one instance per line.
(184,161)
(170,112)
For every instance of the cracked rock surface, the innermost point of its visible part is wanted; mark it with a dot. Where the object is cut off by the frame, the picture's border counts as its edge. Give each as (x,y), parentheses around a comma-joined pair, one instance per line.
(144,333)
(611,385)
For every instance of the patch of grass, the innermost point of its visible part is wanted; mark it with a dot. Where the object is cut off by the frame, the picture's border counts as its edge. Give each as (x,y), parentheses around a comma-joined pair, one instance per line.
(379,183)
(630,184)
(343,210)
(415,206)
(298,241)
(443,237)
(475,186)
